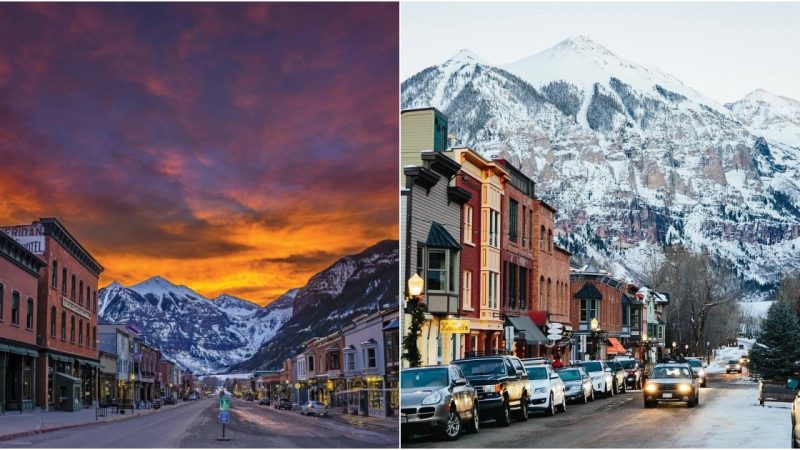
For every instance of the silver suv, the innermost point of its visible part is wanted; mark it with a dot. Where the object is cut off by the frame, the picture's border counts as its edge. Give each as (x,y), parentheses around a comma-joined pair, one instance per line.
(437,399)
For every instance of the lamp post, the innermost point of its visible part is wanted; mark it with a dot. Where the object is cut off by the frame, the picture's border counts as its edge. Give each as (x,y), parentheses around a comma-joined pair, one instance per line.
(594,325)
(416,309)
(646,347)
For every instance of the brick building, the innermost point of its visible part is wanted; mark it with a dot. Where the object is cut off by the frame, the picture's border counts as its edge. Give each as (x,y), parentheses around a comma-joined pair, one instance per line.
(66,316)
(596,295)
(19,286)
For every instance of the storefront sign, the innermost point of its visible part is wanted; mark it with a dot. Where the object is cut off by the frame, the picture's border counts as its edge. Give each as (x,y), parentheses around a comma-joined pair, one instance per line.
(456,326)
(76,308)
(31,237)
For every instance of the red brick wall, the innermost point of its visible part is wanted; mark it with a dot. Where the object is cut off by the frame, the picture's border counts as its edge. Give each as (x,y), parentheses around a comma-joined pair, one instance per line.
(519,252)
(470,254)
(13,278)
(49,296)
(610,306)
(551,264)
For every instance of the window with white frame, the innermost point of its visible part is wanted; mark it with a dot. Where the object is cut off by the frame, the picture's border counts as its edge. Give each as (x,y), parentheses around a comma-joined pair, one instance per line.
(438,268)
(589,310)
(468,224)
(466,291)
(370,360)
(350,360)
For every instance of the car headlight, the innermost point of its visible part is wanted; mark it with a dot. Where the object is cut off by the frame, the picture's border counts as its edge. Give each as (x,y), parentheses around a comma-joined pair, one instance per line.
(432,399)
(702,373)
(651,388)
(539,391)
(496,388)
(684,388)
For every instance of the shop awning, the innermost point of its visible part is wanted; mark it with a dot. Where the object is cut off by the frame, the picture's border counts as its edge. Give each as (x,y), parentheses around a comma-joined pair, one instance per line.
(69,377)
(18,350)
(392,325)
(439,237)
(533,335)
(615,347)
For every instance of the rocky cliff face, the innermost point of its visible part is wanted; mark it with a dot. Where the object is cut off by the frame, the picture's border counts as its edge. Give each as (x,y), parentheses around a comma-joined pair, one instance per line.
(632,158)
(354,285)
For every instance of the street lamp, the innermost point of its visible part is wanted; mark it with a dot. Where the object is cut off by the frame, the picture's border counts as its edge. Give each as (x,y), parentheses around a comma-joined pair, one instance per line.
(416,309)
(593,325)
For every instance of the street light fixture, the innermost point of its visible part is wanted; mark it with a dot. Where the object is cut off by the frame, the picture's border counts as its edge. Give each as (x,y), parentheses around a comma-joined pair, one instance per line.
(595,332)
(416,309)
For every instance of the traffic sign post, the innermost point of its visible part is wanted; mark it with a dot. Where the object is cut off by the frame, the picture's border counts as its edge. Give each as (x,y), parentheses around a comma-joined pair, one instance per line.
(224,414)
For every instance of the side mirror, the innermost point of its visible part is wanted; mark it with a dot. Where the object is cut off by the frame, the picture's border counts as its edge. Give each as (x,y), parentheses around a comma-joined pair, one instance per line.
(705,365)
(553,376)
(608,369)
(459,382)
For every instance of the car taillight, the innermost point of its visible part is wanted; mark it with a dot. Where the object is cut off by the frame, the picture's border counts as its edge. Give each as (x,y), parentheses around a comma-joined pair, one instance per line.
(630,372)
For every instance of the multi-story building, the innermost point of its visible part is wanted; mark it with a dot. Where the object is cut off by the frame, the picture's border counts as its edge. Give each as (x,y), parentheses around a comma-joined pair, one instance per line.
(117,339)
(551,280)
(481,237)
(632,325)
(328,376)
(420,130)
(431,249)
(19,287)
(66,315)
(148,370)
(169,379)
(520,258)
(364,366)
(596,295)
(654,322)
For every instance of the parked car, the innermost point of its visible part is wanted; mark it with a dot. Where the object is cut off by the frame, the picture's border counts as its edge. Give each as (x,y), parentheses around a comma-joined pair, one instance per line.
(733,366)
(283,403)
(577,383)
(619,376)
(438,399)
(546,390)
(698,368)
(633,373)
(501,384)
(314,407)
(602,378)
(264,401)
(156,403)
(672,382)
(192,396)
(170,401)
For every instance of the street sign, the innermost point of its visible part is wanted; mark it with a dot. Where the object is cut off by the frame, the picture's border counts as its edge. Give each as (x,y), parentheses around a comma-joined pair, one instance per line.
(224,403)
(555,325)
(456,326)
(554,337)
(224,417)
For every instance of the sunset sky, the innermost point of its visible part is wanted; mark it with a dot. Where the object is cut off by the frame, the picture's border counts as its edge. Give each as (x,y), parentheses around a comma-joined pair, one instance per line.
(231,148)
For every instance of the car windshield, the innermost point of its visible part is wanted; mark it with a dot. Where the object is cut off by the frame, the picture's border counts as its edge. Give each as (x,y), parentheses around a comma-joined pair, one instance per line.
(417,378)
(569,375)
(536,373)
(593,367)
(482,367)
(670,372)
(628,363)
(733,361)
(695,362)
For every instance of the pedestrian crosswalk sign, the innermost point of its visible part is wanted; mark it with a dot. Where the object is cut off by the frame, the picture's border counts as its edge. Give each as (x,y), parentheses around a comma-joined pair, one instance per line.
(224,417)
(224,403)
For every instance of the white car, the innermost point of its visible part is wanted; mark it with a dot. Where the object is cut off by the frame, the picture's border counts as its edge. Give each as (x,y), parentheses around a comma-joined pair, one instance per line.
(733,366)
(314,407)
(602,377)
(546,391)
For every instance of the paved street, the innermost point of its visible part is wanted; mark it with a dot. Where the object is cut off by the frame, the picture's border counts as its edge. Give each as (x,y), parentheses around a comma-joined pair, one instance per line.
(196,426)
(728,416)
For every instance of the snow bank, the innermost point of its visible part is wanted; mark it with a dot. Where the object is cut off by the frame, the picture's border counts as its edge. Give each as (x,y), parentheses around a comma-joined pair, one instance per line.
(725,354)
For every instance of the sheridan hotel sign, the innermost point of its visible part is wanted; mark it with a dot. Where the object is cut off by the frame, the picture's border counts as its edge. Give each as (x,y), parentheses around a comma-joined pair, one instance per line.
(76,308)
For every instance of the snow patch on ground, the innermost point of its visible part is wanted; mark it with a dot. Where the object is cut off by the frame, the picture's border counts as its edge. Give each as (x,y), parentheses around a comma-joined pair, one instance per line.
(725,354)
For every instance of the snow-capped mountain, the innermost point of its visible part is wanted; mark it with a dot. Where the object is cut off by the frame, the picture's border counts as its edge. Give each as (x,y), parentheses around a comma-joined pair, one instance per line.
(774,117)
(201,334)
(631,156)
(357,284)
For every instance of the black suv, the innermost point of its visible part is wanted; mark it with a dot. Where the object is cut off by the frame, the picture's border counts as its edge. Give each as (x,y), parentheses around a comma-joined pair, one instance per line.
(501,384)
(618,375)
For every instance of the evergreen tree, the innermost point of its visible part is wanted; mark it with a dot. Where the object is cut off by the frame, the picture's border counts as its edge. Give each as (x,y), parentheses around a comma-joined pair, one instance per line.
(778,348)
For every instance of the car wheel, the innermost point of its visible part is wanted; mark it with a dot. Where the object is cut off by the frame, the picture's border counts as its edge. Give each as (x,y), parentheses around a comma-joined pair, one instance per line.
(610,392)
(585,398)
(794,441)
(551,409)
(640,385)
(690,403)
(624,388)
(649,404)
(592,397)
(475,424)
(503,417)
(563,402)
(523,410)
(452,430)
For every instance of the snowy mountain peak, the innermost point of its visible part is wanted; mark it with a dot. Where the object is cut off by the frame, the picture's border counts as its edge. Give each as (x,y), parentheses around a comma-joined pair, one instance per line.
(582,44)
(760,95)
(772,116)
(159,286)
(465,56)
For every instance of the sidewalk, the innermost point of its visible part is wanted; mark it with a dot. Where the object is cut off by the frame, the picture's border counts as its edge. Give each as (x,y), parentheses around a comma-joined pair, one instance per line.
(374,423)
(13,425)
